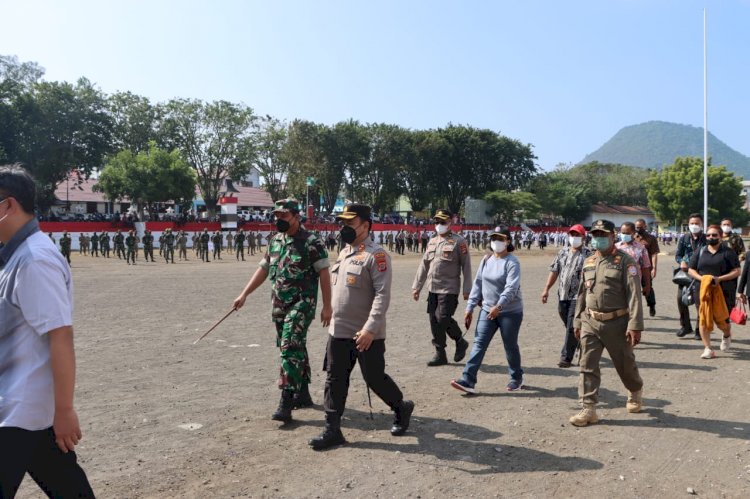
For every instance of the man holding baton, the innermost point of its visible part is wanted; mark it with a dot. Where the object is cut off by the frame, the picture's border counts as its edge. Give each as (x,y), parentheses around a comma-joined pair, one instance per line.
(295,260)
(362,292)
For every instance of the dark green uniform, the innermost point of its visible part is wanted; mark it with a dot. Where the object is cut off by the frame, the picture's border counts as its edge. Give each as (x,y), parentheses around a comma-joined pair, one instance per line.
(293,263)
(130,244)
(169,246)
(94,245)
(148,245)
(119,242)
(239,241)
(205,237)
(104,239)
(182,245)
(218,241)
(65,246)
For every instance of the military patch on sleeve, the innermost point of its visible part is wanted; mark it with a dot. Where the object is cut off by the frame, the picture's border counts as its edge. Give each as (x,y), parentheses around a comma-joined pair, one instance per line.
(464,248)
(381,261)
(632,270)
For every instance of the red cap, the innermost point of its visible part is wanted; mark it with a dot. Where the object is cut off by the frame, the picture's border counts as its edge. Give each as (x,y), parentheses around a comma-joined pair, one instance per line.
(578,228)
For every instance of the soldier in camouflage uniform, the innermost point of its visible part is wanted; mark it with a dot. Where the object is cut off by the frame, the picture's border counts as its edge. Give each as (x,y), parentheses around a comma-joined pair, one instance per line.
(161,243)
(251,242)
(204,238)
(230,242)
(218,240)
(119,242)
(130,244)
(182,245)
(731,240)
(239,240)
(104,240)
(296,259)
(169,245)
(65,246)
(94,245)
(82,244)
(148,245)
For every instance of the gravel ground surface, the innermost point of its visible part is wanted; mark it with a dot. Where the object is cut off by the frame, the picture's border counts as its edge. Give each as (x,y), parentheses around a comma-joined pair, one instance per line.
(162,417)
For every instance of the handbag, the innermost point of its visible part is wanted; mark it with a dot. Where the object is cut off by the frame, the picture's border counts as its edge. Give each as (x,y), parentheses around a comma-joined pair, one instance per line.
(681,277)
(738,315)
(687,296)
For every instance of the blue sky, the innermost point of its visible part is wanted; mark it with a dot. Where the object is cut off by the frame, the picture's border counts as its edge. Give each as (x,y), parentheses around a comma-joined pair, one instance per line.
(562,75)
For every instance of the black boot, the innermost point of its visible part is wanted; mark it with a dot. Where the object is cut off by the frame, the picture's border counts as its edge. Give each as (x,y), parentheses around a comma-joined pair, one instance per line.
(461,346)
(331,436)
(402,412)
(302,398)
(440,359)
(284,411)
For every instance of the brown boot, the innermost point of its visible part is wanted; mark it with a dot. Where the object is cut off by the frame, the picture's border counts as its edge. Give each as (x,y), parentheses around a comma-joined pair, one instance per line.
(585,417)
(635,401)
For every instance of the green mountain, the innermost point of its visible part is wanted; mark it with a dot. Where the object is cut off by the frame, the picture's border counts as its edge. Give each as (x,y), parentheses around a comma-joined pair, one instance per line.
(657,143)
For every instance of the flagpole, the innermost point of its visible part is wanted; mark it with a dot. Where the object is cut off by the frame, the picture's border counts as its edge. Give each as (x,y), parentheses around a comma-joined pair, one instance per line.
(705,122)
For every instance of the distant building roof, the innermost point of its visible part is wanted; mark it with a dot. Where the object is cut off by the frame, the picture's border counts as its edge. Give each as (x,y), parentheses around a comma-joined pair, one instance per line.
(79,192)
(617,209)
(82,192)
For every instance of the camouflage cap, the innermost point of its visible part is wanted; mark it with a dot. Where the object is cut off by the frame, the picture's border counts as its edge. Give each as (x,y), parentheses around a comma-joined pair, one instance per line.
(354,210)
(603,226)
(443,215)
(287,204)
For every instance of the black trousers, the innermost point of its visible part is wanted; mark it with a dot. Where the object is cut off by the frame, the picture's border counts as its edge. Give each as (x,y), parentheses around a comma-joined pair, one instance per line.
(341,355)
(441,308)
(567,311)
(36,452)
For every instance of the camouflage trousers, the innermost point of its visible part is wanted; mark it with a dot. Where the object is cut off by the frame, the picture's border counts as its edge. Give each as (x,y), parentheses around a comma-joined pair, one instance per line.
(291,338)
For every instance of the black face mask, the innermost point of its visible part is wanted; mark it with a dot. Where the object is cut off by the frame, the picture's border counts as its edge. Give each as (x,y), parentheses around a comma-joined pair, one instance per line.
(282,225)
(348,234)
(712,241)
(640,231)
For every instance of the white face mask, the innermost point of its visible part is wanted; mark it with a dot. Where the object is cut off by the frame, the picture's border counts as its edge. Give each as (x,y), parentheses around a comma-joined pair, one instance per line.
(726,229)
(498,246)
(575,241)
(442,229)
(694,228)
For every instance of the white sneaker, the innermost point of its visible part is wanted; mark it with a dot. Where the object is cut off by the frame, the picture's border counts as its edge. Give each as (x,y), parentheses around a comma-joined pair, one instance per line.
(708,354)
(726,343)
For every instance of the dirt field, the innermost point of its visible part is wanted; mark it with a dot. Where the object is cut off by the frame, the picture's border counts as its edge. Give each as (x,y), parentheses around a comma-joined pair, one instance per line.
(164,418)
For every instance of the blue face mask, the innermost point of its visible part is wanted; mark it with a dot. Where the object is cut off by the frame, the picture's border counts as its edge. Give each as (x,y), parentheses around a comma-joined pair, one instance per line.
(626,238)
(600,243)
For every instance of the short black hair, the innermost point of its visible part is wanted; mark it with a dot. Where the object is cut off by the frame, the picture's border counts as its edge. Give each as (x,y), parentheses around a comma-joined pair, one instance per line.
(629,225)
(17,182)
(696,215)
(727,220)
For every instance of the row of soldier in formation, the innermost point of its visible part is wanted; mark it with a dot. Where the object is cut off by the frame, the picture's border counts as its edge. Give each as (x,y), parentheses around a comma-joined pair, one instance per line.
(126,245)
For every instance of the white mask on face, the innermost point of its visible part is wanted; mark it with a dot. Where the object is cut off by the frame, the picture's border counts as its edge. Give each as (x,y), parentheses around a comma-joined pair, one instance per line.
(575,241)
(442,229)
(726,229)
(695,228)
(498,246)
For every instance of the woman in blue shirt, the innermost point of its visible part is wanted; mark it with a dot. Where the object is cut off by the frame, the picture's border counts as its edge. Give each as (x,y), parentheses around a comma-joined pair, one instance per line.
(497,290)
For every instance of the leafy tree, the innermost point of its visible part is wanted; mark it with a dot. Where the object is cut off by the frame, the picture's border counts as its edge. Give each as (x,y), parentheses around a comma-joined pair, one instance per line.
(415,172)
(270,159)
(147,177)
(135,121)
(560,198)
(61,128)
(612,183)
(512,207)
(217,139)
(677,190)
(382,149)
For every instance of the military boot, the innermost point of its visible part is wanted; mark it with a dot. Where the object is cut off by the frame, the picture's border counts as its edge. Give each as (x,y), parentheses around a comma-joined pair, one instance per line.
(284,411)
(331,436)
(585,417)
(440,358)
(635,401)
(402,412)
(302,398)
(461,346)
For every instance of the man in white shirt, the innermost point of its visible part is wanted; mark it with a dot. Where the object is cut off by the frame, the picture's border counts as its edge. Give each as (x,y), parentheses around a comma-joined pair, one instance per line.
(39,427)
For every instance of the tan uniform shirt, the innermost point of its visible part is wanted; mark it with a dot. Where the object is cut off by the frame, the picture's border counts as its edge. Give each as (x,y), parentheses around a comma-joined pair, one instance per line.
(445,258)
(361,279)
(611,283)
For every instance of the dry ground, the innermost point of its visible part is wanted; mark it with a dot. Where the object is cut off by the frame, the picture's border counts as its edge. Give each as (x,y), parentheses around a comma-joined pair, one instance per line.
(140,380)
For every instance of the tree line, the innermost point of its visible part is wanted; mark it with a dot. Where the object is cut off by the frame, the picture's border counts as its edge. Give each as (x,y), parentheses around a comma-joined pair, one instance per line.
(155,152)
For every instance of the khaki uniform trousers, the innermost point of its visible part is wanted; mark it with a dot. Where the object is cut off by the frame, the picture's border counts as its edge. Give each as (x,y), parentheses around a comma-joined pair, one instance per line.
(595,337)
